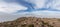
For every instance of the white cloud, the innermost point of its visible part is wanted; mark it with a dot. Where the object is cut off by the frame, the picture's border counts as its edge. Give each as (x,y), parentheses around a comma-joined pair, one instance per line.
(55,4)
(11,7)
(39,3)
(14,7)
(10,17)
(7,17)
(47,14)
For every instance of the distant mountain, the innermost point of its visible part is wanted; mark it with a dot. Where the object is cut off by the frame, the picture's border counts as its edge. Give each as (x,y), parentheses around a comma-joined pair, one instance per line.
(32,22)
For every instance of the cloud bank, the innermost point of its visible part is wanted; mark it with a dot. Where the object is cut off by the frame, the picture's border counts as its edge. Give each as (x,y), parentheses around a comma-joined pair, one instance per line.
(12,9)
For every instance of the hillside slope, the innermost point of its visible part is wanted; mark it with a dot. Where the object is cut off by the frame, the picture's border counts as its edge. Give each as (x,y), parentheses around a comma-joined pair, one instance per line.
(32,22)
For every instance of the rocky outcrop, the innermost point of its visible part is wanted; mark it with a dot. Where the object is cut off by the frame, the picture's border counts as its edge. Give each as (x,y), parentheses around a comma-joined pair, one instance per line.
(32,22)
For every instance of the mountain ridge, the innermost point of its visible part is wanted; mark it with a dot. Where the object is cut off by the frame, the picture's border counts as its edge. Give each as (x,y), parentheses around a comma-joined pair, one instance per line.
(32,22)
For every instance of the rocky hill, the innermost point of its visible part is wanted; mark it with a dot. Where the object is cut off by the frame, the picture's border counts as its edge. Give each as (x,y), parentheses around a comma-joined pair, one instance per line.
(32,22)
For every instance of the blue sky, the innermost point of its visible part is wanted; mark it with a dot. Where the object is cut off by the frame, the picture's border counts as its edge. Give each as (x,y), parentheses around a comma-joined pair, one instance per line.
(12,9)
